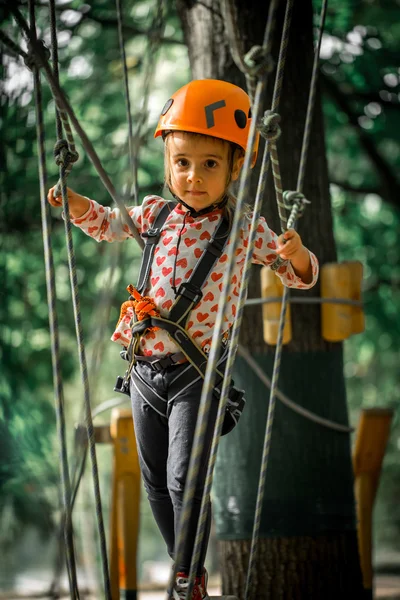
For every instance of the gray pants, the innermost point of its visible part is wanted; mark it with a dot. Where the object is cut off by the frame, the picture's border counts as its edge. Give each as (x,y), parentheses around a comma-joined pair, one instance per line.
(164,446)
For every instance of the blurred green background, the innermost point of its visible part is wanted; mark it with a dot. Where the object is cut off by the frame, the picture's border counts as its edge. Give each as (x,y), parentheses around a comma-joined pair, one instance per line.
(360,79)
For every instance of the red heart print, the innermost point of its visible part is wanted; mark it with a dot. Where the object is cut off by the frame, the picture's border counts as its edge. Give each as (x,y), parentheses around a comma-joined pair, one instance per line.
(216,276)
(212,217)
(235,292)
(154,281)
(205,236)
(208,296)
(272,245)
(160,292)
(220,287)
(167,304)
(116,336)
(159,346)
(92,229)
(197,226)
(166,271)
(214,308)
(198,252)
(172,251)
(271,257)
(223,258)
(182,262)
(238,251)
(177,281)
(234,310)
(151,335)
(258,243)
(160,260)
(190,324)
(260,228)
(166,241)
(188,274)
(197,334)
(234,279)
(189,242)
(202,317)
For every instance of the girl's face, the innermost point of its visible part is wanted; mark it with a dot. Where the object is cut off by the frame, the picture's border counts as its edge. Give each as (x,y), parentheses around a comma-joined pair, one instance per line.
(199,167)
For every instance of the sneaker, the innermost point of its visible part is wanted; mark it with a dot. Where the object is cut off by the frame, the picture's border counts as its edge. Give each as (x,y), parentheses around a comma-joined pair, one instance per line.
(199,589)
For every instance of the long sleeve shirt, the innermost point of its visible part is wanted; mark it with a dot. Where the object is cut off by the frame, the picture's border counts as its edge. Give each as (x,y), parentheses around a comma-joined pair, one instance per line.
(104,223)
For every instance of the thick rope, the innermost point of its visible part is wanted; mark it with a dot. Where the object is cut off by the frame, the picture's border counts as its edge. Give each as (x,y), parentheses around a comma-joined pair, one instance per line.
(64,170)
(297,206)
(54,331)
(208,386)
(304,412)
(64,105)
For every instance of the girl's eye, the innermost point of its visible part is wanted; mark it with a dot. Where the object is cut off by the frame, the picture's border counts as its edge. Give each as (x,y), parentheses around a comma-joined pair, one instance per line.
(182,162)
(211,164)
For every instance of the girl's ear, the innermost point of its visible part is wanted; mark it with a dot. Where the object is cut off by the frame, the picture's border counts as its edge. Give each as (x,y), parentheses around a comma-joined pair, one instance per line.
(237,166)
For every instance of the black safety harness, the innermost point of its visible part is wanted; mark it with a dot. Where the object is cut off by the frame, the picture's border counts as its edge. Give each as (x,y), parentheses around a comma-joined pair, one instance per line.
(188,295)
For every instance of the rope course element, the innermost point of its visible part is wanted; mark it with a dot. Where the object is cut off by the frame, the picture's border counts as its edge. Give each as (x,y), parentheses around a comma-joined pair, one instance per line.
(135,138)
(53,325)
(308,414)
(298,202)
(63,105)
(65,158)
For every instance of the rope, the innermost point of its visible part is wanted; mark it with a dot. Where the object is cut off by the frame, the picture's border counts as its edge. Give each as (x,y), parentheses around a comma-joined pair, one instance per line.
(207,391)
(308,414)
(133,163)
(64,166)
(63,105)
(298,202)
(54,330)
(305,300)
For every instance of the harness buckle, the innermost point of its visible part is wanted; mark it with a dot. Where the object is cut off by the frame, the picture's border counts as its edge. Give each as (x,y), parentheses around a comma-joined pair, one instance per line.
(152,235)
(190,291)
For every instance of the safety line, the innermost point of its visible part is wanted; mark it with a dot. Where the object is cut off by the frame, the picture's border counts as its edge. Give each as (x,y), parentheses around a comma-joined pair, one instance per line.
(278,352)
(305,300)
(304,412)
(54,330)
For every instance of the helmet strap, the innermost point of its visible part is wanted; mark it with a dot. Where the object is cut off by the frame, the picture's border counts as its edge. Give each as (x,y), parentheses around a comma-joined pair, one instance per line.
(203,211)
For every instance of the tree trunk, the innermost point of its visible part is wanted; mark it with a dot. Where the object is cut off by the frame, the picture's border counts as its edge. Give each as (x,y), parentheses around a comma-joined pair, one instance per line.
(308,547)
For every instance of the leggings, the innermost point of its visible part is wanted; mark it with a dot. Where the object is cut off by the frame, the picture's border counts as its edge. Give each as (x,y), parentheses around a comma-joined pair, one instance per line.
(164,445)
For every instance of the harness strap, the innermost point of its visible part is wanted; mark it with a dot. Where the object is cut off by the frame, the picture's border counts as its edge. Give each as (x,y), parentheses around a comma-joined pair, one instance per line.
(189,292)
(193,353)
(152,235)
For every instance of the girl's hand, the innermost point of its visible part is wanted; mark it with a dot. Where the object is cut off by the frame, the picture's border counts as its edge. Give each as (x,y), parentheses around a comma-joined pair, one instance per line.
(78,204)
(289,244)
(292,249)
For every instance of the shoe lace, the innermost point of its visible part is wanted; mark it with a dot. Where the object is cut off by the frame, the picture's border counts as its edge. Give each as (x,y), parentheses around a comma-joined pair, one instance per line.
(181,587)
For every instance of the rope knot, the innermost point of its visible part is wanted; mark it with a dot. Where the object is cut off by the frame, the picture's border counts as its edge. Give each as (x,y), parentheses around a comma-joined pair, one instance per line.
(296,199)
(33,58)
(63,155)
(269,126)
(258,61)
(143,307)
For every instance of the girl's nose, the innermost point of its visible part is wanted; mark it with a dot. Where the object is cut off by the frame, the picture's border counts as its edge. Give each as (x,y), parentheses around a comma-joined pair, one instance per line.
(194,175)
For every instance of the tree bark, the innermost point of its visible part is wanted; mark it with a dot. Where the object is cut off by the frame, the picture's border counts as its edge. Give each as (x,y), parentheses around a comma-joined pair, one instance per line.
(308,547)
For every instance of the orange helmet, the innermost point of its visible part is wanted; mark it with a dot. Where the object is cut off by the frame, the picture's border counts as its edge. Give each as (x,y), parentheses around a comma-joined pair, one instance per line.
(211,107)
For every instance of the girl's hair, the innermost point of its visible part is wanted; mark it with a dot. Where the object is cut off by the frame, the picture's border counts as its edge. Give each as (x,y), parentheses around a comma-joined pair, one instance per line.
(234,152)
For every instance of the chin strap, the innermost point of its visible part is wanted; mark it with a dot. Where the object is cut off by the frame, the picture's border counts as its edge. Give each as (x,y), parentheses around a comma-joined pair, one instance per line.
(203,211)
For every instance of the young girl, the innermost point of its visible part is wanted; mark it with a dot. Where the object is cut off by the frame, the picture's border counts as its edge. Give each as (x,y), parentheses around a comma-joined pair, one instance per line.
(205,127)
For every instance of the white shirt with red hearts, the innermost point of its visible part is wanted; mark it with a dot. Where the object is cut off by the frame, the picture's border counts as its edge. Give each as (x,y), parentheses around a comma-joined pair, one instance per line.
(104,223)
